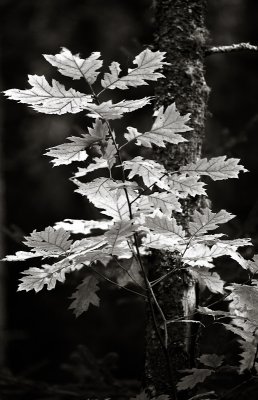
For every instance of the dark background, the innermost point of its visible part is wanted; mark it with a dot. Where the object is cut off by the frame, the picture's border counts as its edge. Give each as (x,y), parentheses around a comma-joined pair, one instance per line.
(40,332)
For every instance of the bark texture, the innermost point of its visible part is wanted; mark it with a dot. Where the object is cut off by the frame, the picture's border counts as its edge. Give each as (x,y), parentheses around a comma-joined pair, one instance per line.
(181,33)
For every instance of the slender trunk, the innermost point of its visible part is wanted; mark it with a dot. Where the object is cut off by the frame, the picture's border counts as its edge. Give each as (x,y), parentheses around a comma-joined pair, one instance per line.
(2,270)
(180,32)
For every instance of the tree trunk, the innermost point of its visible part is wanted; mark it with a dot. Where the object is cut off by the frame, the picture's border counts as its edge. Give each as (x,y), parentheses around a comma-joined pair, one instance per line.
(180,32)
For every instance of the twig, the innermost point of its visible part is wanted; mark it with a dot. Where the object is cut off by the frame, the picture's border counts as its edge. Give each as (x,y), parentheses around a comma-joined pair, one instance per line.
(230,48)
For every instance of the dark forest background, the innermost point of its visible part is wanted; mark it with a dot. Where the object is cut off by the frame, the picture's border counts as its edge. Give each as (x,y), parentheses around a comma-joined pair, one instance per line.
(38,333)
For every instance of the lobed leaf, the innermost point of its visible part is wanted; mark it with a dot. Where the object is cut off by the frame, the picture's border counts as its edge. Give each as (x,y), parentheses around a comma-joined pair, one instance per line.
(49,99)
(217,168)
(76,67)
(85,295)
(206,220)
(166,128)
(50,242)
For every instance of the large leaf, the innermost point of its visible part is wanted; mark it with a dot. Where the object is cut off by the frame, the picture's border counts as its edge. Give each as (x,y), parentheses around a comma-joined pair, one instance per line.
(108,110)
(48,99)
(216,168)
(76,67)
(147,63)
(206,220)
(166,128)
(150,171)
(50,242)
(85,295)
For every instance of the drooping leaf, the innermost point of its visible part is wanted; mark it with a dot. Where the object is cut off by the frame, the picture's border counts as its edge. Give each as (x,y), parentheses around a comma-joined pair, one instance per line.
(74,66)
(85,295)
(248,355)
(108,110)
(150,171)
(147,63)
(217,168)
(196,375)
(50,242)
(109,154)
(36,278)
(166,128)
(211,360)
(209,279)
(49,99)
(184,186)
(206,220)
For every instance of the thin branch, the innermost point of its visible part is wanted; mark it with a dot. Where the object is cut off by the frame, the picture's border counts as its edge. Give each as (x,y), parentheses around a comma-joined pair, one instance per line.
(230,48)
(128,273)
(117,284)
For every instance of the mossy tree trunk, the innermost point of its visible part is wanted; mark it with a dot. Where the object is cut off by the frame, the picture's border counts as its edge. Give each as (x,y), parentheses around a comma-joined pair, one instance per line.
(181,33)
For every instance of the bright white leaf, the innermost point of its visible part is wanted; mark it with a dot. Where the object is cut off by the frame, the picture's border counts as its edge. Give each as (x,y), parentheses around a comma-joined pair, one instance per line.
(83,226)
(108,110)
(196,375)
(166,128)
(50,242)
(167,202)
(147,63)
(22,256)
(109,154)
(206,220)
(202,255)
(74,66)
(166,226)
(150,171)
(216,168)
(36,278)
(184,186)
(85,295)
(49,99)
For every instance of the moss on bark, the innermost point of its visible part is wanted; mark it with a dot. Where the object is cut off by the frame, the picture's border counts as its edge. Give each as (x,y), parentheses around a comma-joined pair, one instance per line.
(181,33)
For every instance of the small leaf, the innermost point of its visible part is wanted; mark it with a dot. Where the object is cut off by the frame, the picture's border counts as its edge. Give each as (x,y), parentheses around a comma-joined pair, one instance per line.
(211,360)
(36,278)
(48,99)
(85,295)
(165,226)
(167,202)
(83,226)
(74,66)
(165,128)
(196,375)
(216,168)
(147,63)
(107,110)
(184,186)
(150,171)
